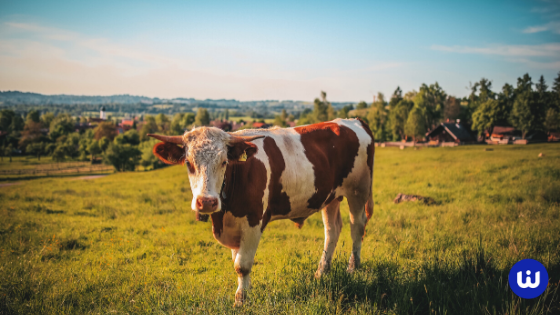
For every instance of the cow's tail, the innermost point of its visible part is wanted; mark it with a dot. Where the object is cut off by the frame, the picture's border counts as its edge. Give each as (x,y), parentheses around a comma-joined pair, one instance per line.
(369,207)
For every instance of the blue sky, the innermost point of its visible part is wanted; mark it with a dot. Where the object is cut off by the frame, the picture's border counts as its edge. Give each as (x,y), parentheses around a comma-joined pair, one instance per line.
(285,50)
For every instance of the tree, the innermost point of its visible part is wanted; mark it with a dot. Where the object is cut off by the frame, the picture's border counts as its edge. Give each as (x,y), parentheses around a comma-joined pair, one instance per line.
(361,105)
(430,100)
(37,149)
(123,157)
(46,119)
(163,123)
(180,122)
(104,144)
(31,133)
(528,112)
(9,151)
(343,112)
(149,126)
(280,120)
(395,98)
(6,117)
(322,111)
(485,116)
(202,117)
(555,94)
(148,158)
(451,108)
(105,130)
(130,137)
(377,118)
(398,117)
(94,149)
(59,153)
(33,115)
(61,125)
(415,124)
(552,120)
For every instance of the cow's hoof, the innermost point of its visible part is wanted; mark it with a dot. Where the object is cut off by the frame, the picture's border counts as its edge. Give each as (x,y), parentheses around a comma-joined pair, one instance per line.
(238,304)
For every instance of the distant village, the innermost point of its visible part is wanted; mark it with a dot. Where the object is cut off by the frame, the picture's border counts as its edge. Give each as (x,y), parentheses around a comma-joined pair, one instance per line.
(115,134)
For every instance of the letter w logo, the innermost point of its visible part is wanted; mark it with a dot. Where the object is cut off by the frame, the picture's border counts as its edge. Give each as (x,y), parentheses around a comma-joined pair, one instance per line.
(528,283)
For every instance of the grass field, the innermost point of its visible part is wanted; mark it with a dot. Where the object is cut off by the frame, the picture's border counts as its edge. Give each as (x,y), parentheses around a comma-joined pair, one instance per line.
(128,243)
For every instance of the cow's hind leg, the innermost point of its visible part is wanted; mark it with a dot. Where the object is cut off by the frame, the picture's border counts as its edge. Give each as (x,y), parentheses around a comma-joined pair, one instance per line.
(244,261)
(358,220)
(333,225)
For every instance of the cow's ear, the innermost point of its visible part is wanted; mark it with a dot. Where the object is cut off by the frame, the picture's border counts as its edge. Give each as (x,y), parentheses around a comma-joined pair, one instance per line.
(241,151)
(169,153)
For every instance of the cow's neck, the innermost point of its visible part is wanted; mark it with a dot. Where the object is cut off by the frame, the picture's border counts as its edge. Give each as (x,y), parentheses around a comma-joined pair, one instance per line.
(228,186)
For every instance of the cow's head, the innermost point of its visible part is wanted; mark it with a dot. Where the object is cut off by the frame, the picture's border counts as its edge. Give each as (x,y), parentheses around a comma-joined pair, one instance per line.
(205,152)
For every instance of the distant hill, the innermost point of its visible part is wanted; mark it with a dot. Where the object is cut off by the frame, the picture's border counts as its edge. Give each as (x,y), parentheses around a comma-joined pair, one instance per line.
(8,98)
(25,98)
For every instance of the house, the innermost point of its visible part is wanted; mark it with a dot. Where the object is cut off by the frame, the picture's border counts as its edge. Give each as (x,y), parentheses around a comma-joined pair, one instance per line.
(503,135)
(222,124)
(507,135)
(126,124)
(554,136)
(449,132)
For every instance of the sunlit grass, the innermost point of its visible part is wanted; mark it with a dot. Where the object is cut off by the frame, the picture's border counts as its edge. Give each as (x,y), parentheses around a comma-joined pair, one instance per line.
(128,243)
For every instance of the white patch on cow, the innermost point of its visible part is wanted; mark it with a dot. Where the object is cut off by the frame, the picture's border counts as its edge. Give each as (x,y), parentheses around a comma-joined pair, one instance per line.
(245,258)
(360,171)
(298,177)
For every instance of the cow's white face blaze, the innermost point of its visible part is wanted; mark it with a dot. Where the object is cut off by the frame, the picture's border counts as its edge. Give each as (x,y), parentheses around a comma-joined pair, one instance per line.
(206,162)
(205,152)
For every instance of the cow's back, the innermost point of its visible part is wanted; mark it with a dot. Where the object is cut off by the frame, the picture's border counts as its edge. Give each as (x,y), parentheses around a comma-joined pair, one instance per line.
(309,166)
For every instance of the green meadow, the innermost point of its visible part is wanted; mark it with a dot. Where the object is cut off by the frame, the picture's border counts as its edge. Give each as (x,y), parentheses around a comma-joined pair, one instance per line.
(128,243)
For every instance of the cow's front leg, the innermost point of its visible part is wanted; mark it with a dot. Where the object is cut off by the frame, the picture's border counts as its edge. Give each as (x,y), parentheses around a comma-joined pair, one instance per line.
(233,254)
(244,260)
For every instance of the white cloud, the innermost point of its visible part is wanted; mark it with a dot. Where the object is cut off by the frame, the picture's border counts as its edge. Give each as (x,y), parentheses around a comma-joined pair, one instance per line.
(542,50)
(552,27)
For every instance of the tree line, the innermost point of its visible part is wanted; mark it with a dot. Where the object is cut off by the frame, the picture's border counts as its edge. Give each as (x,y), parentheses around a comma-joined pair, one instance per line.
(527,106)
(63,137)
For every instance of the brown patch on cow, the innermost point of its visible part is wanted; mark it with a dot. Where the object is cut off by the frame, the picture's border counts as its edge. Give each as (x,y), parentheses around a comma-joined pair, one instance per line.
(169,153)
(244,189)
(299,222)
(278,200)
(217,223)
(226,230)
(332,149)
(242,272)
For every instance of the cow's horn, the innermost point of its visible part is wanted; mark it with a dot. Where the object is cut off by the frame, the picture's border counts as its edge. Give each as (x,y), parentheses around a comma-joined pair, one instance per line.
(172,139)
(237,139)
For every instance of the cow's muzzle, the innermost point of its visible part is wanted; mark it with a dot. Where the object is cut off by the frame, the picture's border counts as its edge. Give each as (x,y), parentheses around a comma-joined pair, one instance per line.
(206,204)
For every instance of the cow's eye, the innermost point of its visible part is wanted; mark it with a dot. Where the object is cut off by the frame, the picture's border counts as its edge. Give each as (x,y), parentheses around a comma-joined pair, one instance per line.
(190,167)
(224,163)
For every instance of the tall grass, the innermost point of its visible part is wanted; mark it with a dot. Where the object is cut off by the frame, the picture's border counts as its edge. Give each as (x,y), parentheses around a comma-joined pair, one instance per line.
(128,243)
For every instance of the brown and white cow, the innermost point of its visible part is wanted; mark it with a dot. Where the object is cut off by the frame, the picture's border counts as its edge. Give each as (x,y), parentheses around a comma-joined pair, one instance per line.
(248,178)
